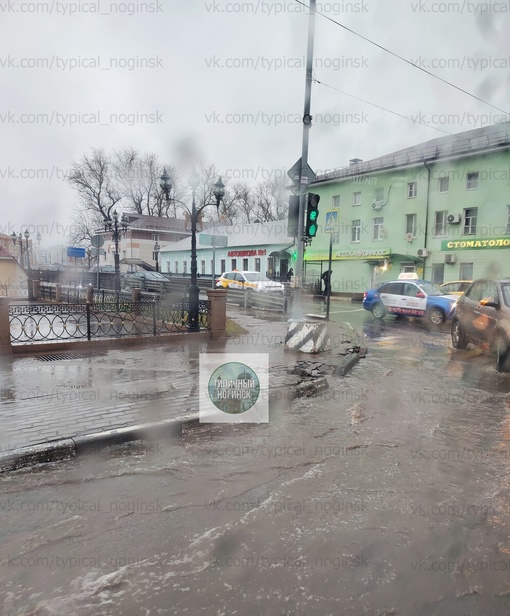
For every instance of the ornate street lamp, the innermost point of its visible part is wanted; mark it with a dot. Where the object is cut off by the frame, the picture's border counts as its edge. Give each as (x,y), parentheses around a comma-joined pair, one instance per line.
(27,250)
(193,291)
(19,239)
(117,228)
(157,248)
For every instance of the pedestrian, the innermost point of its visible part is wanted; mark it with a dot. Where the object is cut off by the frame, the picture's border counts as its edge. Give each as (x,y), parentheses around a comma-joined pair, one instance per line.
(326,279)
(290,273)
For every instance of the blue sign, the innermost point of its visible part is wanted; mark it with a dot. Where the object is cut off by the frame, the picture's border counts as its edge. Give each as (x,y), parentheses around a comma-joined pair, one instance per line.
(331,221)
(76,253)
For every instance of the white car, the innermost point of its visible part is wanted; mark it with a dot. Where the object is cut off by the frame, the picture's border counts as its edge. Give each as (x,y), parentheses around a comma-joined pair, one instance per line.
(248,280)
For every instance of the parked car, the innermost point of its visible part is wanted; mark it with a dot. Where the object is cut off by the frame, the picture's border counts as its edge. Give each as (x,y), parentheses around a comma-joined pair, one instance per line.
(248,280)
(410,297)
(455,287)
(147,281)
(482,316)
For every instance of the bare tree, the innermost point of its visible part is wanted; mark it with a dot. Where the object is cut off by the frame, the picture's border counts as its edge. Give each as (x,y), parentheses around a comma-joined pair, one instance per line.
(92,179)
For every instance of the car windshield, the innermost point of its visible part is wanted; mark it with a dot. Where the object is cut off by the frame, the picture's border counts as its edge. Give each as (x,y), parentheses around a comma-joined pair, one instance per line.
(505,289)
(431,289)
(154,276)
(255,277)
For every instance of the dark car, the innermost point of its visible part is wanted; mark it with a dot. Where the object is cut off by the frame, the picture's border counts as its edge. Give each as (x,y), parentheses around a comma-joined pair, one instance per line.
(411,298)
(482,316)
(147,281)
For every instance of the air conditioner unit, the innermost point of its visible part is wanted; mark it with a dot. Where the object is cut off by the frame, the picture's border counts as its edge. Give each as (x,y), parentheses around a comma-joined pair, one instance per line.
(422,252)
(377,205)
(450,259)
(454,219)
(409,237)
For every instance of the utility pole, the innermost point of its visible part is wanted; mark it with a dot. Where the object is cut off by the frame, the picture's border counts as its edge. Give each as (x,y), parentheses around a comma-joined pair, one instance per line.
(297,310)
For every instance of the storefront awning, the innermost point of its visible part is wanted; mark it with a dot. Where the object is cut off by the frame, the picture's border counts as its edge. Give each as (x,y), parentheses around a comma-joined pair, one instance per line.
(140,262)
(280,254)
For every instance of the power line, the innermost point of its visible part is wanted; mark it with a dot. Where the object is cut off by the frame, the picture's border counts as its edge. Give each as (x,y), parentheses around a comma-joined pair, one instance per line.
(396,55)
(401,115)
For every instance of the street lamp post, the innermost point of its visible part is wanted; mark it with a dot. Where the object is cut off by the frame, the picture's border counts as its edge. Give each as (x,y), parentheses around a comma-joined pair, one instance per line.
(157,248)
(194,291)
(27,250)
(19,239)
(116,228)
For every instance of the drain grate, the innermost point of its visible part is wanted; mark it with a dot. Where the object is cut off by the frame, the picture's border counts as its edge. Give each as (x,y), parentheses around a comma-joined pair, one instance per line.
(68,355)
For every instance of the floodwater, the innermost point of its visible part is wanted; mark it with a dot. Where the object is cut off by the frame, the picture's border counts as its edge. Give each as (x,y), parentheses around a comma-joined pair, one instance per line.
(388,494)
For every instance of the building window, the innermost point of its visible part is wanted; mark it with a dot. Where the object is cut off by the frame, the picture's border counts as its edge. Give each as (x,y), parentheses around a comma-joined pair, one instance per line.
(355,230)
(378,228)
(245,265)
(212,266)
(223,265)
(438,273)
(176,267)
(202,267)
(470,216)
(257,264)
(184,267)
(379,194)
(472,180)
(335,236)
(356,198)
(508,220)
(168,266)
(336,202)
(440,223)
(411,224)
(155,237)
(234,264)
(466,271)
(412,190)
(444,185)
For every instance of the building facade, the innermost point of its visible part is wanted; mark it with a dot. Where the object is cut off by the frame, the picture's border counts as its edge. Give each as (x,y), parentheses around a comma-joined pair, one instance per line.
(136,245)
(440,209)
(260,247)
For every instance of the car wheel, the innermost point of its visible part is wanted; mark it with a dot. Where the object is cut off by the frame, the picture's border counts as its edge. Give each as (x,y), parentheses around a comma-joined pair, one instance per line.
(501,348)
(459,338)
(436,316)
(378,311)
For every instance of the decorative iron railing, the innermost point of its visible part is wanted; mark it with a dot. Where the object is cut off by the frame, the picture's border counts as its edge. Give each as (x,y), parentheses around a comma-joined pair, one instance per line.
(120,317)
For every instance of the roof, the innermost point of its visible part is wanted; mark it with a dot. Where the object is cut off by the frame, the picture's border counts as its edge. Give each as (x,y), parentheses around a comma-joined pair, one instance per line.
(471,141)
(243,234)
(4,254)
(156,223)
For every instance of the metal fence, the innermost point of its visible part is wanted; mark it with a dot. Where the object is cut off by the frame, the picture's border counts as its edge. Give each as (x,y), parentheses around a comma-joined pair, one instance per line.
(57,322)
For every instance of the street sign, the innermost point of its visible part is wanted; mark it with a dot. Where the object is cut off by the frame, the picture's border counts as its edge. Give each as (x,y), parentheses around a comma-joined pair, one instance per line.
(97,241)
(76,253)
(212,240)
(331,224)
(294,174)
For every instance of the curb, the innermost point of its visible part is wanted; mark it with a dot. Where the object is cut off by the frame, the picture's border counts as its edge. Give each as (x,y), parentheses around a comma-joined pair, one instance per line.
(67,448)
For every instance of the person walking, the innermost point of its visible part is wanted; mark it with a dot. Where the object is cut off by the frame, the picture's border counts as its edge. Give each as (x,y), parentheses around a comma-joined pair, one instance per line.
(326,279)
(290,273)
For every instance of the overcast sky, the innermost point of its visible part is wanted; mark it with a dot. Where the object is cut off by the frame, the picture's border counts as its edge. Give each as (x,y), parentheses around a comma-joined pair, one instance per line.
(227,79)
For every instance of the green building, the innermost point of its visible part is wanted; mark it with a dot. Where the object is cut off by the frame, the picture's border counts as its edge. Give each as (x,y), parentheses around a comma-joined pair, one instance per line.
(440,209)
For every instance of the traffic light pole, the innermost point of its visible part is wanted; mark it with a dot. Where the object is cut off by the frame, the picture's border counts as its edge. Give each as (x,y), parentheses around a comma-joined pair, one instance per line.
(297,309)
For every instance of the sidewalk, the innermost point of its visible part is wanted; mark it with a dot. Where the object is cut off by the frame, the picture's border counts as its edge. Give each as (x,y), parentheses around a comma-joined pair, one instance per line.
(46,401)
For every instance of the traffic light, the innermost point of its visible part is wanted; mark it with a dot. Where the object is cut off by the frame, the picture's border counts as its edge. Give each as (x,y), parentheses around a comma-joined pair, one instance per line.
(312,214)
(293,216)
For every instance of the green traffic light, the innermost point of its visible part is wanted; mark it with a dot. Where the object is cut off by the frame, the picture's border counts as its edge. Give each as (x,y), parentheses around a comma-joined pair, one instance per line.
(313,216)
(312,230)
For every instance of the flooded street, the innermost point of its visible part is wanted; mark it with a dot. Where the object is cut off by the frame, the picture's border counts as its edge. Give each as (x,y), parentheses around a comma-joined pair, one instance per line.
(387,494)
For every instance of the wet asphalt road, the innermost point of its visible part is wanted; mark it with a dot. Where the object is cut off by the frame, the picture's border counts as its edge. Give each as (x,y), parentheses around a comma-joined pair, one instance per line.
(387,494)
